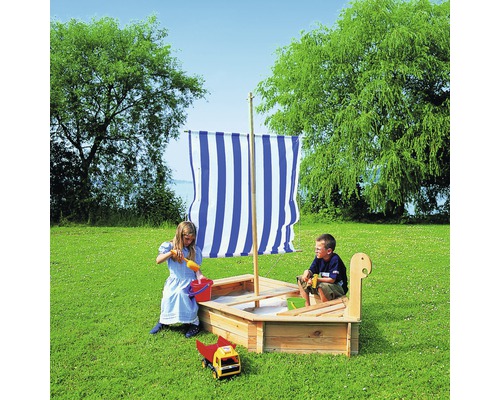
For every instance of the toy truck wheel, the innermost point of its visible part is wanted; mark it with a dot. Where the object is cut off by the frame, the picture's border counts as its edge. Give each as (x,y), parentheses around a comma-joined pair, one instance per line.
(214,374)
(203,363)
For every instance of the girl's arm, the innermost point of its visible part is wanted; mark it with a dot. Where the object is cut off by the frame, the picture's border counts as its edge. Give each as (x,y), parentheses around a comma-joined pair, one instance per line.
(163,257)
(175,254)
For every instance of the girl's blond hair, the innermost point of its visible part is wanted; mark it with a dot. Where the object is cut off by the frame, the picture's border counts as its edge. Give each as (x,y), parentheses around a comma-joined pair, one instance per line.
(183,229)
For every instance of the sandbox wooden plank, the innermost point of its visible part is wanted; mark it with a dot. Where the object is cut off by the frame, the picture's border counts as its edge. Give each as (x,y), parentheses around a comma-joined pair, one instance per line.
(324,310)
(336,314)
(224,308)
(232,279)
(276,283)
(263,295)
(303,310)
(307,338)
(225,286)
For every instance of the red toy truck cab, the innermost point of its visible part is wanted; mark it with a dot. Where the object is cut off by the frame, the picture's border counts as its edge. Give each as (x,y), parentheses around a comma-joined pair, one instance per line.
(221,358)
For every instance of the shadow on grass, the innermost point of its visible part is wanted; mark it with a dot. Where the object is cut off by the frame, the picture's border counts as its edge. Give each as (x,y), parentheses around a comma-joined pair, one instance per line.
(402,327)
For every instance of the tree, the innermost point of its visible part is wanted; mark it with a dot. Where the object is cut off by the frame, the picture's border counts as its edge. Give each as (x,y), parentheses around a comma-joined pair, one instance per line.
(117,96)
(371,97)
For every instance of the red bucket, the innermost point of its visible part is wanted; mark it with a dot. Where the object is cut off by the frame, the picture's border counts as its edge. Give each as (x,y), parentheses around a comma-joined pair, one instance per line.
(201,291)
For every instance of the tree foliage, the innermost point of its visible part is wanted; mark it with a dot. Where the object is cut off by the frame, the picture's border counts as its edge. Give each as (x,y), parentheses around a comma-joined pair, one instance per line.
(371,97)
(117,96)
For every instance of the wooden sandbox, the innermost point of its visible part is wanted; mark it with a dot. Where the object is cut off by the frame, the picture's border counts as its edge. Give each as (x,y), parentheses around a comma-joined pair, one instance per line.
(331,327)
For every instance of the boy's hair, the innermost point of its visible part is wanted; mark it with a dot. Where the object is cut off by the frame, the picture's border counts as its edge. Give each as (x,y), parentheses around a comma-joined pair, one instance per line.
(329,241)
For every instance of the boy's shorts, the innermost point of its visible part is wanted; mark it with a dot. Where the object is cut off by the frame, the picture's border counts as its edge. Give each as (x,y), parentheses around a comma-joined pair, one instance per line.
(330,290)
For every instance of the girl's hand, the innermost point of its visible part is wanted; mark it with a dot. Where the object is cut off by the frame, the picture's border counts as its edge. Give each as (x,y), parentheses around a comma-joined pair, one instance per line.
(176,255)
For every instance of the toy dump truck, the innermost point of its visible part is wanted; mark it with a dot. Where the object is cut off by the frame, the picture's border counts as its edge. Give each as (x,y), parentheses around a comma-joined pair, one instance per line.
(221,358)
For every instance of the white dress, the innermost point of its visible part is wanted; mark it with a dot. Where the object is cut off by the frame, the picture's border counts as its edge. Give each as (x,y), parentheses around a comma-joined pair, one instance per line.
(176,305)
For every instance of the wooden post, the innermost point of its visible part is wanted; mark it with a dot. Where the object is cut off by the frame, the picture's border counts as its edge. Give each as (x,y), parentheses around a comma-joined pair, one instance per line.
(254,201)
(361,267)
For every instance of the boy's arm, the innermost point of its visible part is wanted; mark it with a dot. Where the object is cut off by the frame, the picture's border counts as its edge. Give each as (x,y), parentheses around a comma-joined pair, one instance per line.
(325,279)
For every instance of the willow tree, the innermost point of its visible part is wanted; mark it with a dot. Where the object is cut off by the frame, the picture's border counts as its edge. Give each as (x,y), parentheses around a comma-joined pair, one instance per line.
(371,96)
(117,96)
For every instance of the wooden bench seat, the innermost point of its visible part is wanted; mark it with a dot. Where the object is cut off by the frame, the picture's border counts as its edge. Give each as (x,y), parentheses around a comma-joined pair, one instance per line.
(335,307)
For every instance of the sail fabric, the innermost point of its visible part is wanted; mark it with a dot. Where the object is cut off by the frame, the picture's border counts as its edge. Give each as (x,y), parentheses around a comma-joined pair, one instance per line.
(222,209)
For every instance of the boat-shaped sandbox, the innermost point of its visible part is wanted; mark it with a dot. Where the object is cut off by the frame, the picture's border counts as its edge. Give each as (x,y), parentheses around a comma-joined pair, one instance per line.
(235,312)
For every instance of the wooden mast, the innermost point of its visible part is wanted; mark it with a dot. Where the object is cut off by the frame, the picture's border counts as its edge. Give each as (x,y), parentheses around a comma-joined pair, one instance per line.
(254,205)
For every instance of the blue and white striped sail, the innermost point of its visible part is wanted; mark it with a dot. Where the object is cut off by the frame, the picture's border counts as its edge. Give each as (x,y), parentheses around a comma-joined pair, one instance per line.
(221,208)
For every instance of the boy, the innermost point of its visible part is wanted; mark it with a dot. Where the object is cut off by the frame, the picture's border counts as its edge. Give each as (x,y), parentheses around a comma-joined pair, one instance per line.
(332,277)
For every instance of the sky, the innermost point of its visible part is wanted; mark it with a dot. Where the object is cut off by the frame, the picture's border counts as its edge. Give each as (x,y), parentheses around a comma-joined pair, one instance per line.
(230,44)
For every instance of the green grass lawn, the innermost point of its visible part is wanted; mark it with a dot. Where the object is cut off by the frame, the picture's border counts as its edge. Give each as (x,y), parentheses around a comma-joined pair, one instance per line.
(105,291)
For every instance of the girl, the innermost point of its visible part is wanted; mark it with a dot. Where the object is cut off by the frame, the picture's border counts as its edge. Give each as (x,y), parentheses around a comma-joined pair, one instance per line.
(176,305)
